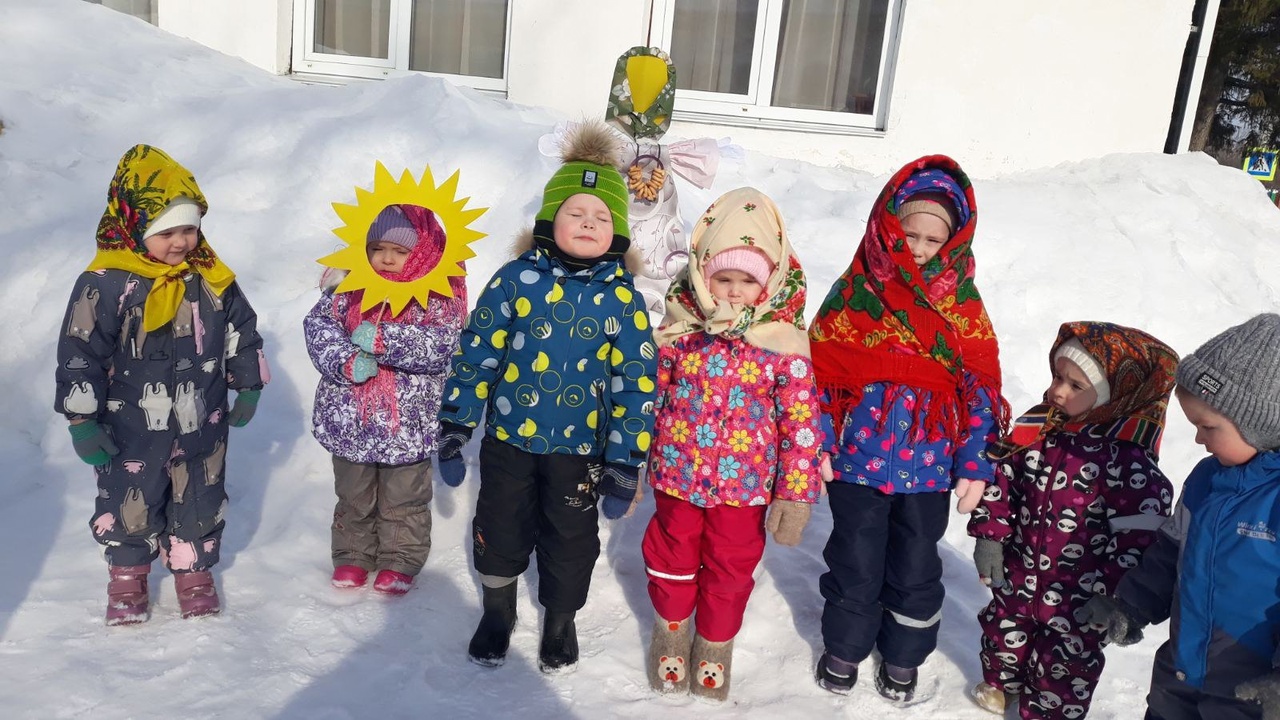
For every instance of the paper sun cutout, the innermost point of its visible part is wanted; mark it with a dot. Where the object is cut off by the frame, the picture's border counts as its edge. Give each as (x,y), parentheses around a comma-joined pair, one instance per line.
(442,201)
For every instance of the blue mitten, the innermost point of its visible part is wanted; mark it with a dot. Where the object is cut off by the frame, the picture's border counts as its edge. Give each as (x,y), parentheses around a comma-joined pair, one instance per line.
(92,443)
(365,335)
(449,452)
(245,406)
(617,489)
(364,368)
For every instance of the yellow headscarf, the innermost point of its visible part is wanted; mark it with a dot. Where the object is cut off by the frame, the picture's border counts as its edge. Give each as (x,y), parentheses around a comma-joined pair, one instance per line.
(146,181)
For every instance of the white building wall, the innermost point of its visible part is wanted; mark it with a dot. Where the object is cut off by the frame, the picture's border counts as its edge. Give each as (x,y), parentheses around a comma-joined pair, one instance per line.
(999,84)
(259,31)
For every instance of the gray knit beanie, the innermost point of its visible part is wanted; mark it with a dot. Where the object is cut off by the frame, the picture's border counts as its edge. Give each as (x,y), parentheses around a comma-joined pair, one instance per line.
(1238,374)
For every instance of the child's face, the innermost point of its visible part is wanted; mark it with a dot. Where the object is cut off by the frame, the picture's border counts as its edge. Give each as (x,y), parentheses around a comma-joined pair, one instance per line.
(926,234)
(172,246)
(1071,392)
(583,227)
(1215,432)
(735,287)
(387,257)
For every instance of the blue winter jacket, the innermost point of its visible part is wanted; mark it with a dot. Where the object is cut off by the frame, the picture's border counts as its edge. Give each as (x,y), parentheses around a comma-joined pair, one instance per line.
(896,459)
(558,362)
(1216,572)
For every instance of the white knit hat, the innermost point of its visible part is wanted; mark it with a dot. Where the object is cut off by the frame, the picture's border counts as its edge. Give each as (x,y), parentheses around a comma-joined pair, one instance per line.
(181,211)
(1075,352)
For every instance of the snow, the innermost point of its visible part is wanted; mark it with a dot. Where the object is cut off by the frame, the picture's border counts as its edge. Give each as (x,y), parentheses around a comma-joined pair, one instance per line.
(1178,246)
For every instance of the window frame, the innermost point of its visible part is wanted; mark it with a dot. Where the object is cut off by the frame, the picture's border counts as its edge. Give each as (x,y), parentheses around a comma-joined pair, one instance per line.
(305,60)
(754,108)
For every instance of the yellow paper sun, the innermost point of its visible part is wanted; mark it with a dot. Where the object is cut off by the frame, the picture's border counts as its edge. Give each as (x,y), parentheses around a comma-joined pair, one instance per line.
(442,201)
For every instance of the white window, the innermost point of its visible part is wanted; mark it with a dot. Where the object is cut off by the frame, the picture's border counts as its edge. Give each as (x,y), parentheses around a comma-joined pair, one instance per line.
(781,63)
(464,40)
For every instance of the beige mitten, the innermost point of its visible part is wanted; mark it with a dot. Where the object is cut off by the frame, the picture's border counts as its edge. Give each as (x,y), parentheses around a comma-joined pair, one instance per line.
(968,494)
(786,521)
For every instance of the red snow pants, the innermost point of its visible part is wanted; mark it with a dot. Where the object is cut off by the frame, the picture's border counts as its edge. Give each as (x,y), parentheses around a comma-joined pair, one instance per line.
(703,558)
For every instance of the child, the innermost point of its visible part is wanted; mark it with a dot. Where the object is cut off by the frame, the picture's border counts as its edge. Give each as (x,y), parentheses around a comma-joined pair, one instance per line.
(156,333)
(907,361)
(559,359)
(378,400)
(737,427)
(1077,497)
(1214,566)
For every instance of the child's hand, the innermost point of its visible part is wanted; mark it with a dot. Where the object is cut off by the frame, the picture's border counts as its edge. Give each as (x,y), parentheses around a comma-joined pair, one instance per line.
(92,443)
(968,494)
(245,406)
(617,489)
(786,520)
(988,558)
(1114,617)
(363,367)
(1264,690)
(824,469)
(366,336)
(449,453)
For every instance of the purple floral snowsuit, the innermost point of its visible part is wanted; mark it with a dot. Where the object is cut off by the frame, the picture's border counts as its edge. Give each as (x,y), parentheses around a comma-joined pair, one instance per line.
(1074,512)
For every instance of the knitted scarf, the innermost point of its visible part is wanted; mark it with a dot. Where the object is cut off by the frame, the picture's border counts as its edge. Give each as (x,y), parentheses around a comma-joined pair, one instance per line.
(145,182)
(378,395)
(1140,370)
(887,320)
(740,217)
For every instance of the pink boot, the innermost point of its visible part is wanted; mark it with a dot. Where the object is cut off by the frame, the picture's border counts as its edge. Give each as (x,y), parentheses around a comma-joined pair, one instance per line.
(127,599)
(390,582)
(196,594)
(349,576)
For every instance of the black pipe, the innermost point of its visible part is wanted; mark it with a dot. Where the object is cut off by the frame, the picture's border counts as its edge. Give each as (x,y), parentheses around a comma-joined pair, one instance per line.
(1183,93)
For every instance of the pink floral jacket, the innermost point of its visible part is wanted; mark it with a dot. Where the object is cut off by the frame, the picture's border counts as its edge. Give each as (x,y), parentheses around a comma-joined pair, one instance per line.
(736,424)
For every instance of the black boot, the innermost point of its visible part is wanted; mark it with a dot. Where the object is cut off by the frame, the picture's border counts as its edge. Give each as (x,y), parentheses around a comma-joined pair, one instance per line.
(489,644)
(559,650)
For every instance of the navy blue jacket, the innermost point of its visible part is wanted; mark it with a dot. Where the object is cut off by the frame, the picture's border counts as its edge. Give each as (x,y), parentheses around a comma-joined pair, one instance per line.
(1215,571)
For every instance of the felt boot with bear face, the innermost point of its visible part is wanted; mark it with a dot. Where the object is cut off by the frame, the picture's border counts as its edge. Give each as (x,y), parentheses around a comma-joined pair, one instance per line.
(711,668)
(669,656)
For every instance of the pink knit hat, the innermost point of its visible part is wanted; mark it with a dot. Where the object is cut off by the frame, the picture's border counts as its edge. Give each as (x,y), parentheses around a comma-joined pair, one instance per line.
(744,258)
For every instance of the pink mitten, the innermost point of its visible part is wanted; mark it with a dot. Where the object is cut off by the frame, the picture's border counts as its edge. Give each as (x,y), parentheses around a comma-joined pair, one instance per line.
(968,494)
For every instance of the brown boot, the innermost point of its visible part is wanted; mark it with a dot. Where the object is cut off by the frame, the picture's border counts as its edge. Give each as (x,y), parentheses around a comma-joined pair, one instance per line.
(128,602)
(197,596)
(669,656)
(711,668)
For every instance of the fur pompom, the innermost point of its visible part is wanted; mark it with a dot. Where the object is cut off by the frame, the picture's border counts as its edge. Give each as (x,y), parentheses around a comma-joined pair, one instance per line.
(591,141)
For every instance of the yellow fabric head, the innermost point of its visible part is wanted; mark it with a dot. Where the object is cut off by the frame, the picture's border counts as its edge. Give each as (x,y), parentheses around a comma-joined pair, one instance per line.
(145,182)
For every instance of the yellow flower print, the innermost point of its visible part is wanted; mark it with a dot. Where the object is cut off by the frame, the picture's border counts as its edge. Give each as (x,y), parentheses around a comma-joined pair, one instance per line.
(740,441)
(692,363)
(797,482)
(749,372)
(680,431)
(800,412)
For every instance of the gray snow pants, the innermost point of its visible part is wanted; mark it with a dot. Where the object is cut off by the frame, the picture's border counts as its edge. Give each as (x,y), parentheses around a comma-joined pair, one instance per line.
(383,517)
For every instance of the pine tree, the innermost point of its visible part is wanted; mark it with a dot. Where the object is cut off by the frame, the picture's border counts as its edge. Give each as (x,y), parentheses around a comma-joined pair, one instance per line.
(1239,105)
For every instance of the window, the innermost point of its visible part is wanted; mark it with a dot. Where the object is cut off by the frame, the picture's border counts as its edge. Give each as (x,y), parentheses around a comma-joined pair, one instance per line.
(141,9)
(781,62)
(465,40)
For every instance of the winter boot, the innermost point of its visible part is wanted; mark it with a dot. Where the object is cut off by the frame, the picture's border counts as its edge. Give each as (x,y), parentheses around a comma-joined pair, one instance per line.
(712,668)
(349,576)
(128,602)
(197,595)
(836,675)
(390,582)
(559,650)
(669,656)
(489,643)
(990,698)
(896,683)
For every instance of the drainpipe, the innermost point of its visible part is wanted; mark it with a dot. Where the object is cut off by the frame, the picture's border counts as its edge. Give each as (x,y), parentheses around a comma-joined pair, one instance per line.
(1204,17)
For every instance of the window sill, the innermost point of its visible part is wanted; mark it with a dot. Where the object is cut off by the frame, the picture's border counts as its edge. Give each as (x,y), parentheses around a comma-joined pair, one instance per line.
(709,118)
(311,78)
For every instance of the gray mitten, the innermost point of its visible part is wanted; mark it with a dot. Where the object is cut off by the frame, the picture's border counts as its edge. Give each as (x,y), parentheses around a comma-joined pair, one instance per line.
(1264,690)
(786,521)
(988,557)
(1113,616)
